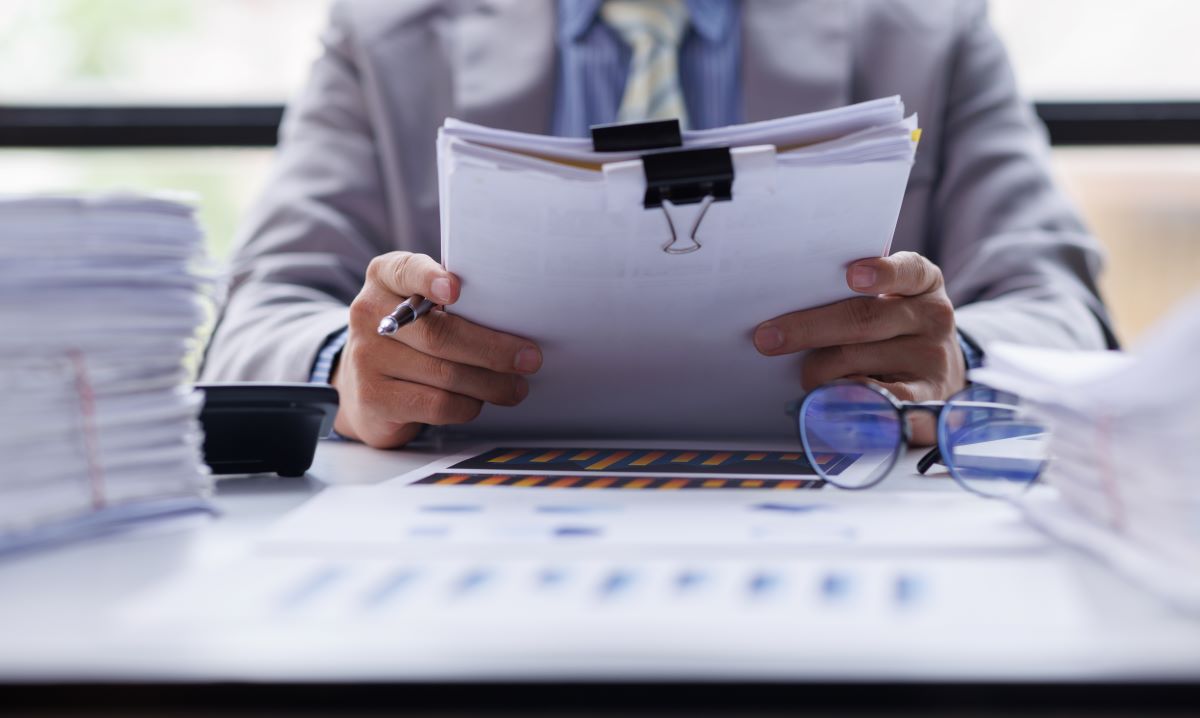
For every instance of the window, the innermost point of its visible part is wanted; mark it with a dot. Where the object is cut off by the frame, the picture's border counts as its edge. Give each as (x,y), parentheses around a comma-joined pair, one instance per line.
(156,51)
(1115,55)
(1102,50)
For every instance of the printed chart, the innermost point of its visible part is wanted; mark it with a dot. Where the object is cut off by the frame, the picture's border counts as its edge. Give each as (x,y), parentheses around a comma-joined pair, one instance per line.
(653,461)
(632,482)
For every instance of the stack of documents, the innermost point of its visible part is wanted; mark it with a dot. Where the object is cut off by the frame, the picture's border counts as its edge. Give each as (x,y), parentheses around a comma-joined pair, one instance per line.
(100,302)
(645,313)
(1124,454)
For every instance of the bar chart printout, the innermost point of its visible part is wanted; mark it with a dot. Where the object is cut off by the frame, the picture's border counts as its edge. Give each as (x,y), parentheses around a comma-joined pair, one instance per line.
(613,481)
(768,464)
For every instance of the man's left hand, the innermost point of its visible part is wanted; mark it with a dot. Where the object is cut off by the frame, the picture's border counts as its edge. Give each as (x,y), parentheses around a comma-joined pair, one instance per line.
(902,336)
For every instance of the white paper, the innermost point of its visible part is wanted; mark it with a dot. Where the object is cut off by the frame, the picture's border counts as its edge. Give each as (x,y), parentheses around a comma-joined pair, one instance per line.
(400,516)
(101,299)
(640,342)
(1124,455)
(486,579)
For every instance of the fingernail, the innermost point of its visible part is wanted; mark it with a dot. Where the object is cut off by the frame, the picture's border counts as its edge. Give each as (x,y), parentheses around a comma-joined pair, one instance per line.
(862,277)
(528,359)
(768,338)
(440,289)
(521,389)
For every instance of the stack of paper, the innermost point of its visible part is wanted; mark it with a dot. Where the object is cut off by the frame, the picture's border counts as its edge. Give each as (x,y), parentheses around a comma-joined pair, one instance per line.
(1125,454)
(100,303)
(554,242)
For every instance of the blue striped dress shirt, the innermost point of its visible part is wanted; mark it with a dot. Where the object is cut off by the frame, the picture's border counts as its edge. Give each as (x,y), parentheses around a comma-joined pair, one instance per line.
(593,63)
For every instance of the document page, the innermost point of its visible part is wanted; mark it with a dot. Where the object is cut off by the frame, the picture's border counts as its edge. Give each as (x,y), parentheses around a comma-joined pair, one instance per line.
(639,497)
(642,341)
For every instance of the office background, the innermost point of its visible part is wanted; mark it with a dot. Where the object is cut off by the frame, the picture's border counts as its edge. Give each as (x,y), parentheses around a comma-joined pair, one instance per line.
(185,94)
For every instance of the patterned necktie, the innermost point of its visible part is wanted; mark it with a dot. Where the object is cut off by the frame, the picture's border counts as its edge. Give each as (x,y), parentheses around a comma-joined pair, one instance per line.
(653,29)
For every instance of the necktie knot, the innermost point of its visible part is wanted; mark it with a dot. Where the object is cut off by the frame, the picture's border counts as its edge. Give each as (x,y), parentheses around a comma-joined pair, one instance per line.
(653,22)
(653,30)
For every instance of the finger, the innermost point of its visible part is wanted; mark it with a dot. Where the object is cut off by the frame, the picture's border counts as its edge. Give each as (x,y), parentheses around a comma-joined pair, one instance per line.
(384,435)
(902,357)
(398,361)
(402,402)
(405,274)
(853,321)
(455,339)
(905,273)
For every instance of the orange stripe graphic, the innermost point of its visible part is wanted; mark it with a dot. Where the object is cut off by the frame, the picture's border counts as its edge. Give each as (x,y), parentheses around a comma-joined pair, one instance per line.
(548,456)
(637,484)
(783,485)
(755,457)
(684,457)
(493,480)
(717,459)
(601,483)
(713,483)
(649,458)
(451,480)
(584,455)
(530,481)
(751,483)
(564,483)
(608,461)
(505,457)
(674,484)
(790,457)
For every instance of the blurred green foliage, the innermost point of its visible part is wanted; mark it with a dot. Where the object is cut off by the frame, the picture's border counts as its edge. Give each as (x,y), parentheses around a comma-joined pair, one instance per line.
(100,29)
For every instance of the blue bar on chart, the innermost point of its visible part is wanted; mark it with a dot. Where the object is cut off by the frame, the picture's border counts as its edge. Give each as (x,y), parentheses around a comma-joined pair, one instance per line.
(764,583)
(615,583)
(311,586)
(390,587)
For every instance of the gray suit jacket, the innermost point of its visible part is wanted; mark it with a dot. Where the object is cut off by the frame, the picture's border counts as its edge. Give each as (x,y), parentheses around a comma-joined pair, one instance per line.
(356,173)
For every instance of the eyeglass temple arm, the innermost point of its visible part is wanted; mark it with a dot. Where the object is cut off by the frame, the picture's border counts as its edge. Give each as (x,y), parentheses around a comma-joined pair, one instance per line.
(931,457)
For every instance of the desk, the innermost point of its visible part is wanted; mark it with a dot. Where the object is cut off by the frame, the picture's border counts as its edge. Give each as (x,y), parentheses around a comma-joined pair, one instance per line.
(55,607)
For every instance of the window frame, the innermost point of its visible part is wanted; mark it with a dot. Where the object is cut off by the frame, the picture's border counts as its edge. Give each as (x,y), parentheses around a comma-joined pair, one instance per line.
(29,126)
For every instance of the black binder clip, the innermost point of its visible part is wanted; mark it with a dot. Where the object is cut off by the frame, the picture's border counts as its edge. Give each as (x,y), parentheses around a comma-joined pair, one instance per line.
(672,178)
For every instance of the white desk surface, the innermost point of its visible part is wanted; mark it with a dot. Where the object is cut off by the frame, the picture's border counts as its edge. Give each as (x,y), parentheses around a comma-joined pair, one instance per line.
(56,607)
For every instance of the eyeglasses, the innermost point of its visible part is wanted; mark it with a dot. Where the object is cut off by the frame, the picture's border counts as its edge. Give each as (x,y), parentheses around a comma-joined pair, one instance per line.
(853,434)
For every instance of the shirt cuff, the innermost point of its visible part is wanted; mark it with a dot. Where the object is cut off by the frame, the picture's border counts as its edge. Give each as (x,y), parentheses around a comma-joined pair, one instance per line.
(326,360)
(972,354)
(328,356)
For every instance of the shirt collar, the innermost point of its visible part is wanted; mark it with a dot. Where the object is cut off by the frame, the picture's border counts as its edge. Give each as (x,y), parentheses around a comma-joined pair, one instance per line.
(712,19)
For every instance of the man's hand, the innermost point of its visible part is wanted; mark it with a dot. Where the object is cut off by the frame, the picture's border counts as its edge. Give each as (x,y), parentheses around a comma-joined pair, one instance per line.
(437,370)
(902,336)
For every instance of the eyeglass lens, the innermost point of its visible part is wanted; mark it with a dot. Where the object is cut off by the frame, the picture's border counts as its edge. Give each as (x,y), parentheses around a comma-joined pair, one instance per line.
(989,443)
(852,421)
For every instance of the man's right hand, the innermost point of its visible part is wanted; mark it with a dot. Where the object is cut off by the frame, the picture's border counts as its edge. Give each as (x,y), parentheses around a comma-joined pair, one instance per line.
(437,370)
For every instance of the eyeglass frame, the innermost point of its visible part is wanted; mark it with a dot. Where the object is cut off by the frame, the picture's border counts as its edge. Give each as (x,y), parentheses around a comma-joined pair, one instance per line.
(927,461)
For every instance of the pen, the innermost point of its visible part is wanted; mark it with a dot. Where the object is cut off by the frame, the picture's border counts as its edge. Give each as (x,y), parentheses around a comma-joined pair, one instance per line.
(403,315)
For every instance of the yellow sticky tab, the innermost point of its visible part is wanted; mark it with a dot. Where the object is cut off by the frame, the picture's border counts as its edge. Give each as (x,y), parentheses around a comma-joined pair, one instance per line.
(916,135)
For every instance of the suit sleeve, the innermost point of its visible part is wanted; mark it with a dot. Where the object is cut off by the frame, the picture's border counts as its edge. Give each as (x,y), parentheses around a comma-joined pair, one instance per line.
(304,248)
(1019,264)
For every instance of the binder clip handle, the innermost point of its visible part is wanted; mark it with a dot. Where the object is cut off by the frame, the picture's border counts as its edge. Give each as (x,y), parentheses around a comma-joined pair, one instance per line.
(676,245)
(636,136)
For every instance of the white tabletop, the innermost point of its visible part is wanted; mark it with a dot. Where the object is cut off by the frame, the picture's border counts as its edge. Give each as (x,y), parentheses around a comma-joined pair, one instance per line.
(57,609)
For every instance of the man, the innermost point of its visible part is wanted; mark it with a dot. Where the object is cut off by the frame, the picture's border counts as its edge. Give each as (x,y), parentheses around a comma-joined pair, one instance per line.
(986,247)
